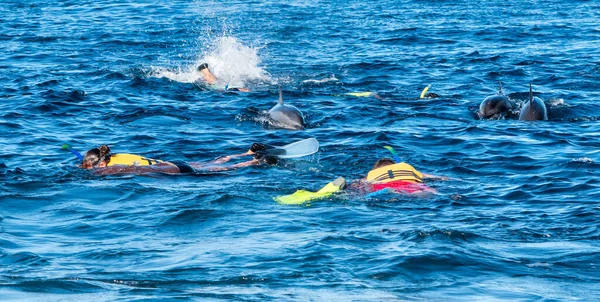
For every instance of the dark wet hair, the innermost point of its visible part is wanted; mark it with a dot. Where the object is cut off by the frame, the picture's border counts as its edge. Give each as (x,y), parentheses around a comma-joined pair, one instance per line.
(95,156)
(271,160)
(260,147)
(383,162)
(264,158)
(202,66)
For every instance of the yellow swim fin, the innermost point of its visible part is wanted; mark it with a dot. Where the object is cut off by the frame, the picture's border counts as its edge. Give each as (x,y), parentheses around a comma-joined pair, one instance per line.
(302,196)
(360,94)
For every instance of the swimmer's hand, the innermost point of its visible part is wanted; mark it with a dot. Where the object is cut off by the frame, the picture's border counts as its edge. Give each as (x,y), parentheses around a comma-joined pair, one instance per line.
(260,147)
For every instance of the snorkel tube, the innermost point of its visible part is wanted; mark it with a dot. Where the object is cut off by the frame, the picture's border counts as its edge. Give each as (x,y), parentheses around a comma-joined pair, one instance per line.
(396,157)
(65,146)
(421,97)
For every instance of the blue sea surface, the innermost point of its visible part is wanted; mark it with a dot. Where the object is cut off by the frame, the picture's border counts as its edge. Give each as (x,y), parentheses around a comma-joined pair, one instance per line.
(517,220)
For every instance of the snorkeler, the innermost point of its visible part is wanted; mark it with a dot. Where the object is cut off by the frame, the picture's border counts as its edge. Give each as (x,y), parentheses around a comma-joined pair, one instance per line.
(211,79)
(393,176)
(386,176)
(104,162)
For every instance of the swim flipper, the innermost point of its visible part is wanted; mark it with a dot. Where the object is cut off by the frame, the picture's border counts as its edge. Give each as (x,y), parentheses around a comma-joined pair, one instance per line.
(359,94)
(302,196)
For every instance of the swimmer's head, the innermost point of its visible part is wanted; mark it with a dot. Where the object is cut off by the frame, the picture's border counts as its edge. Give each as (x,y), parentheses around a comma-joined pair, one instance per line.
(96,158)
(383,162)
(256,147)
(271,160)
(264,158)
(202,66)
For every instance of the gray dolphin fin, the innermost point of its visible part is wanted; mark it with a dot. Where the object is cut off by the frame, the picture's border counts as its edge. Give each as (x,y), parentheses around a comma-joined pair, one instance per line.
(280,97)
(530,94)
(500,88)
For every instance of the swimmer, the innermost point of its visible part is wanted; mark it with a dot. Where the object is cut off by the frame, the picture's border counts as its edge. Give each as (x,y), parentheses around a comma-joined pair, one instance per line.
(387,176)
(104,162)
(391,176)
(211,79)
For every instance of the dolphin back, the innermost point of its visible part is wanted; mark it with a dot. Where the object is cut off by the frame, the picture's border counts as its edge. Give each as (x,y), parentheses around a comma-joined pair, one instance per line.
(534,109)
(493,105)
(530,94)
(280,102)
(287,116)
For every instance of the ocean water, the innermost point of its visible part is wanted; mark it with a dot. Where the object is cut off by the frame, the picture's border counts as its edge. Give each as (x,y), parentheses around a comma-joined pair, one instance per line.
(516,220)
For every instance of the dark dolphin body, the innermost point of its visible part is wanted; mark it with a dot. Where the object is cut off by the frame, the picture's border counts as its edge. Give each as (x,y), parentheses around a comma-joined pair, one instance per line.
(495,105)
(534,110)
(286,116)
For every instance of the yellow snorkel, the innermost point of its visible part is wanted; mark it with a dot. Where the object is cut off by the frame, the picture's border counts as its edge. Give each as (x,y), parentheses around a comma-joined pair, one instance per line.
(396,156)
(424,91)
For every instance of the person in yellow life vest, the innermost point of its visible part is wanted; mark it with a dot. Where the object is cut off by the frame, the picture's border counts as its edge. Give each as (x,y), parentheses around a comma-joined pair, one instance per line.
(401,177)
(386,176)
(104,162)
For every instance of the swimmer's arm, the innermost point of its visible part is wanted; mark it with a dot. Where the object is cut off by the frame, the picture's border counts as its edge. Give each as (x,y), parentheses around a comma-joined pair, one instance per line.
(119,169)
(249,163)
(361,186)
(208,76)
(227,158)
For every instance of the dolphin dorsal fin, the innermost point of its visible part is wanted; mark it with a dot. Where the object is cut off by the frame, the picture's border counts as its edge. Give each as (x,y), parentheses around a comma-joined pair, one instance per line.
(500,88)
(280,97)
(530,94)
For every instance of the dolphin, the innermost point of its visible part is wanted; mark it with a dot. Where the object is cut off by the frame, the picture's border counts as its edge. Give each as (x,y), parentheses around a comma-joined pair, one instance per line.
(286,116)
(534,110)
(493,106)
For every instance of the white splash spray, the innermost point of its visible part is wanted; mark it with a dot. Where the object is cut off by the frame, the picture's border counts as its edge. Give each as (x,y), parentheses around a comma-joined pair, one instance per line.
(332,78)
(233,64)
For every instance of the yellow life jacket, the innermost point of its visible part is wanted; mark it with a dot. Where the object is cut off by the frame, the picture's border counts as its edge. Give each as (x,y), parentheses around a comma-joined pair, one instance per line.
(401,171)
(131,160)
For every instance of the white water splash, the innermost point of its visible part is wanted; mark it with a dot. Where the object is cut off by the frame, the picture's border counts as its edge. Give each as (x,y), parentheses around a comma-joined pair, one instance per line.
(326,80)
(556,102)
(183,75)
(233,64)
(583,160)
